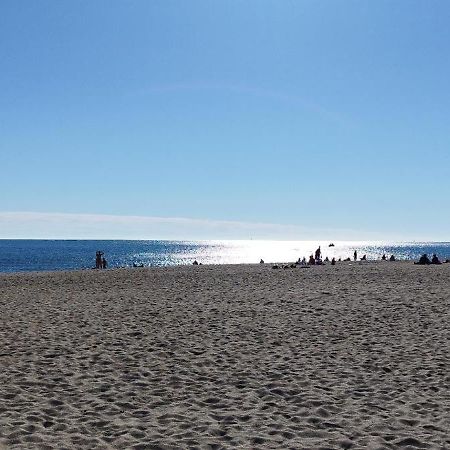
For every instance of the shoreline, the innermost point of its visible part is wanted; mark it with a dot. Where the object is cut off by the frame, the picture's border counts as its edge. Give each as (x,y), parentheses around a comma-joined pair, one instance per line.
(266,264)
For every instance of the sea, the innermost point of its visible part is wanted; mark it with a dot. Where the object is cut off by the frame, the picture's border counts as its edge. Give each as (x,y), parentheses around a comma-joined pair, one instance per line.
(49,255)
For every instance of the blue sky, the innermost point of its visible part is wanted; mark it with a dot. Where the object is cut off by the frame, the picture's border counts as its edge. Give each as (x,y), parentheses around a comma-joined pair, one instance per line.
(300,115)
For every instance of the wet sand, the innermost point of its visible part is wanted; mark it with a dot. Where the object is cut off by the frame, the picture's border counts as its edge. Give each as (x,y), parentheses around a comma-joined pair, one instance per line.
(352,356)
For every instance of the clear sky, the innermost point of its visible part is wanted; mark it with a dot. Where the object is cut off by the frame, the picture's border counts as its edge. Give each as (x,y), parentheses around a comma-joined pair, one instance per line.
(303,116)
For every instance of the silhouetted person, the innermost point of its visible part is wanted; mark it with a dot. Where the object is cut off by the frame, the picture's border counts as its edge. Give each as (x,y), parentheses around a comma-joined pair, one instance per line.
(364,258)
(104,263)
(301,262)
(318,253)
(312,261)
(195,263)
(333,262)
(383,258)
(261,261)
(424,260)
(392,258)
(435,259)
(326,259)
(98,259)
(355,255)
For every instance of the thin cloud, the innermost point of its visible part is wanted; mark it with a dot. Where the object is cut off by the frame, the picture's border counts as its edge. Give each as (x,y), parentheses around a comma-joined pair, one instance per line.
(39,225)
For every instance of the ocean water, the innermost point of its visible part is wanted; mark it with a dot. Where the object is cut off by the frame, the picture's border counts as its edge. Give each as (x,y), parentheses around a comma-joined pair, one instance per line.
(41,255)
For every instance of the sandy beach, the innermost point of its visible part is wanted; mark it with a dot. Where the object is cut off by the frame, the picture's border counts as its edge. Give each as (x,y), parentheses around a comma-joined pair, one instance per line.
(352,356)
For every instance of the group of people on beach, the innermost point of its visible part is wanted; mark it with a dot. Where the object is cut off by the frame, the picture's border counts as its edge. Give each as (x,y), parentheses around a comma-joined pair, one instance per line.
(100,261)
(315,259)
(424,260)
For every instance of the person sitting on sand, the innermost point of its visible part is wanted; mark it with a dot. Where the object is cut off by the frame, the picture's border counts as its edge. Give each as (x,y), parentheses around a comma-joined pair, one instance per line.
(435,259)
(326,259)
(312,261)
(195,263)
(392,258)
(424,260)
(364,258)
(333,261)
(383,258)
(261,261)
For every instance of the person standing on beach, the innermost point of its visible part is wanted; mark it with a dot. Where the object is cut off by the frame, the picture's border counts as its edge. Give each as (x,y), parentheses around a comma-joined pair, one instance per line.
(355,255)
(98,259)
(104,263)
(318,253)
